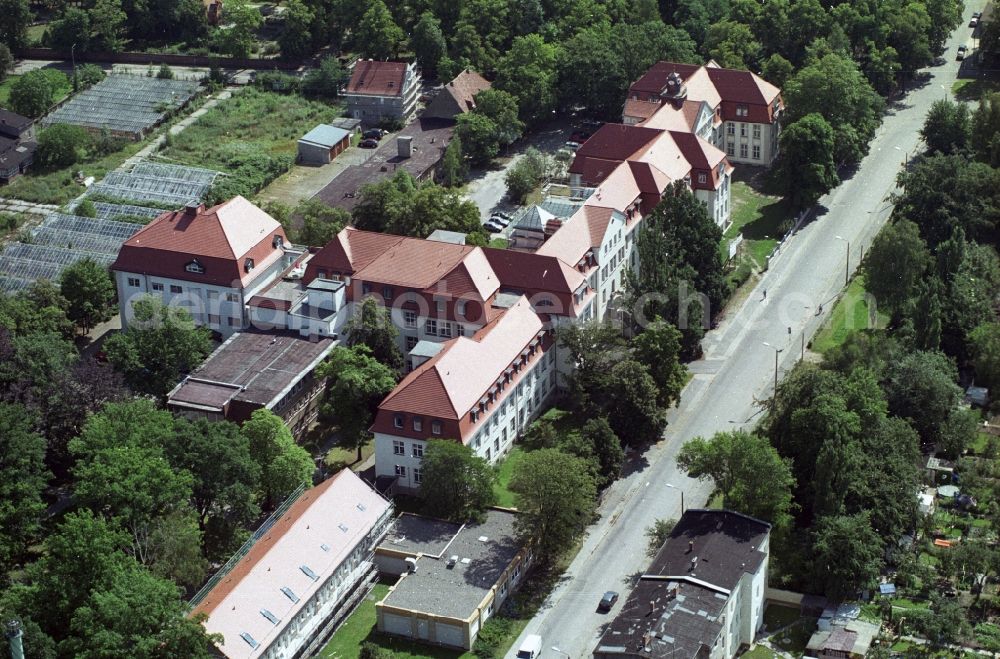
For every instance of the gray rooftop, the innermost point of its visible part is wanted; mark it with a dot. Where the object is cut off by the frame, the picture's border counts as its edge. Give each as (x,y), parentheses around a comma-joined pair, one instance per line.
(325,135)
(484,551)
(415,534)
(426,348)
(444,236)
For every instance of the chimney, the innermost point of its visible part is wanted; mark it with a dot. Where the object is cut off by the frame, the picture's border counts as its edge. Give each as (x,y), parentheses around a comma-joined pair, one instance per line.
(694,563)
(191,209)
(652,607)
(404,146)
(690,546)
(14,639)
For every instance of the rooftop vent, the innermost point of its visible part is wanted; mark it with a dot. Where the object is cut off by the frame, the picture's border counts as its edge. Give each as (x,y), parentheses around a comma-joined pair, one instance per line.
(411,564)
(290,594)
(362,507)
(342,527)
(306,570)
(451,561)
(483,538)
(270,616)
(325,547)
(250,640)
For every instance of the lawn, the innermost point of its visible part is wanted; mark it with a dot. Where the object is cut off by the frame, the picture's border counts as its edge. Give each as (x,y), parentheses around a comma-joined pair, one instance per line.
(505,497)
(759,652)
(360,627)
(762,219)
(973,90)
(795,639)
(777,616)
(850,313)
(62,91)
(339,457)
(252,119)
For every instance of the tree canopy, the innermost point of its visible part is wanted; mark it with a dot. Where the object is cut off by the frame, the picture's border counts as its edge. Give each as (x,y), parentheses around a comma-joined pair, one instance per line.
(455,483)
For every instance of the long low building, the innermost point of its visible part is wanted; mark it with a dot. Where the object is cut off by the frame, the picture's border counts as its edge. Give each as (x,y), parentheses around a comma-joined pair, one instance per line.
(304,576)
(254,370)
(454,577)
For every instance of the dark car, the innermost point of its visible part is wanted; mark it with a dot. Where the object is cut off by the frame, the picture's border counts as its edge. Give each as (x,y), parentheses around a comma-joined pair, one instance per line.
(607,601)
(373,134)
(974,22)
(962,51)
(368,144)
(977,14)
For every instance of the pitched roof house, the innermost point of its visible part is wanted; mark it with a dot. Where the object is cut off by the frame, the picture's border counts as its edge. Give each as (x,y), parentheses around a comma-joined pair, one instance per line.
(457,96)
(382,90)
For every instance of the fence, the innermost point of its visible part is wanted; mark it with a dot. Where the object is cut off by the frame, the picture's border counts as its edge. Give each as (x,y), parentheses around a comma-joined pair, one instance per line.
(170,59)
(247,546)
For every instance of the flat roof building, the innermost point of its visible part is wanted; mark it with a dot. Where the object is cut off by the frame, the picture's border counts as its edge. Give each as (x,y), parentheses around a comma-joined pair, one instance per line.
(254,370)
(454,576)
(303,576)
(322,144)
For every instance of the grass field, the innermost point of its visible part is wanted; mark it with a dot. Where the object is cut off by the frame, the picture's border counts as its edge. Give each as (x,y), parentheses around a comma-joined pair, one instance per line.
(59,187)
(62,91)
(505,497)
(973,90)
(251,119)
(761,218)
(849,314)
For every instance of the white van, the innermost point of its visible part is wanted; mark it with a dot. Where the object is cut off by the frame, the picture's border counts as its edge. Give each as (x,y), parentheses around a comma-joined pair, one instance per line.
(531,648)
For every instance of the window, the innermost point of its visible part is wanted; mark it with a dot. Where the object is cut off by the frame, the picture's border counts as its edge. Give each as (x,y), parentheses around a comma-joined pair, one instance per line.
(756,152)
(213,319)
(133,282)
(158,287)
(436,427)
(756,131)
(731,128)
(410,319)
(743,130)
(418,450)
(702,178)
(232,297)
(513,426)
(398,447)
(742,110)
(431,327)
(397,420)
(176,289)
(730,149)
(460,308)
(743,151)
(418,424)
(248,265)
(233,322)
(387,292)
(446,329)
(441,307)
(496,444)
(195,266)
(401,471)
(411,343)
(418,475)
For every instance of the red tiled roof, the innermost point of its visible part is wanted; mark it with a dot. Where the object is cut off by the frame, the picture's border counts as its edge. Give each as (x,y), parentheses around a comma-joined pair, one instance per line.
(377,78)
(528,271)
(593,170)
(740,86)
(640,109)
(615,142)
(655,79)
(704,158)
(648,177)
(220,238)
(421,264)
(464,88)
(350,251)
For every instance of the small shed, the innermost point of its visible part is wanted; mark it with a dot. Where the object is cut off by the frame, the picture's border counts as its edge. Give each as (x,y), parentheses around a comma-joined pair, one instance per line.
(977,396)
(939,470)
(322,144)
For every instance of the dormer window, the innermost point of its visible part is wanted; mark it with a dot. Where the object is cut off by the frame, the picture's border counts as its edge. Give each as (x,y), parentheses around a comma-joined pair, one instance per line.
(196,267)
(248,265)
(277,241)
(702,178)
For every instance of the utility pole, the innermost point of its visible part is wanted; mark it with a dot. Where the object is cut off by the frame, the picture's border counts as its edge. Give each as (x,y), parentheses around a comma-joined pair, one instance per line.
(777,351)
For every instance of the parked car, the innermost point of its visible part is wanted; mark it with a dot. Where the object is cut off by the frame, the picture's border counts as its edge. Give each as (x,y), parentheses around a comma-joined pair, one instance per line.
(492,226)
(368,144)
(607,601)
(531,648)
(506,216)
(974,22)
(497,219)
(573,146)
(962,50)
(373,134)
(977,14)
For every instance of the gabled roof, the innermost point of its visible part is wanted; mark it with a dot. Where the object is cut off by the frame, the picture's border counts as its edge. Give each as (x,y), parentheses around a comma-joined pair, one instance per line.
(740,86)
(701,88)
(220,238)
(452,382)
(581,233)
(318,532)
(614,142)
(456,97)
(374,78)
(535,272)
(325,135)
(655,79)
(703,156)
(648,177)
(666,156)
(13,124)
(351,250)
(640,109)
(616,192)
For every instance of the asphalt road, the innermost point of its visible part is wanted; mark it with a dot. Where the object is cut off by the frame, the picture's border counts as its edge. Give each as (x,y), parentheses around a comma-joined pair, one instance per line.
(738,370)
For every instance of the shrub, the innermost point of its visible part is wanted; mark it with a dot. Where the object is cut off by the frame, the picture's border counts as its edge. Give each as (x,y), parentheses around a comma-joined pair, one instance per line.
(89,74)
(85,208)
(31,94)
(61,145)
(282,83)
(252,169)
(490,642)
(165,72)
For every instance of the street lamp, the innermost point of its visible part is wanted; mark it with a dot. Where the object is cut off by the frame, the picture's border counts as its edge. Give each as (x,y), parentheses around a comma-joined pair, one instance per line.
(556,649)
(777,351)
(847,264)
(674,487)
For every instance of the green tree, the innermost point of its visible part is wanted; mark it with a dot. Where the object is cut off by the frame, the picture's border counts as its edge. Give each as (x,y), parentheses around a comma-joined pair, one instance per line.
(658,347)
(453,168)
(239,37)
(835,89)
(947,128)
(137,615)
(555,497)
(6,62)
(658,534)
(296,39)
(88,288)
(320,223)
(428,43)
(629,397)
(985,128)
(921,387)
(71,28)
(777,70)
(160,343)
(732,45)
(528,71)
(847,554)
(136,422)
(605,448)
(957,432)
(284,465)
(173,549)
(985,347)
(226,479)
(357,384)
(62,145)
(501,108)
(326,81)
(23,478)
(372,327)
(14,24)
(456,484)
(31,94)
(805,169)
(752,478)
(378,36)
(591,74)
(478,135)
(895,265)
(108,20)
